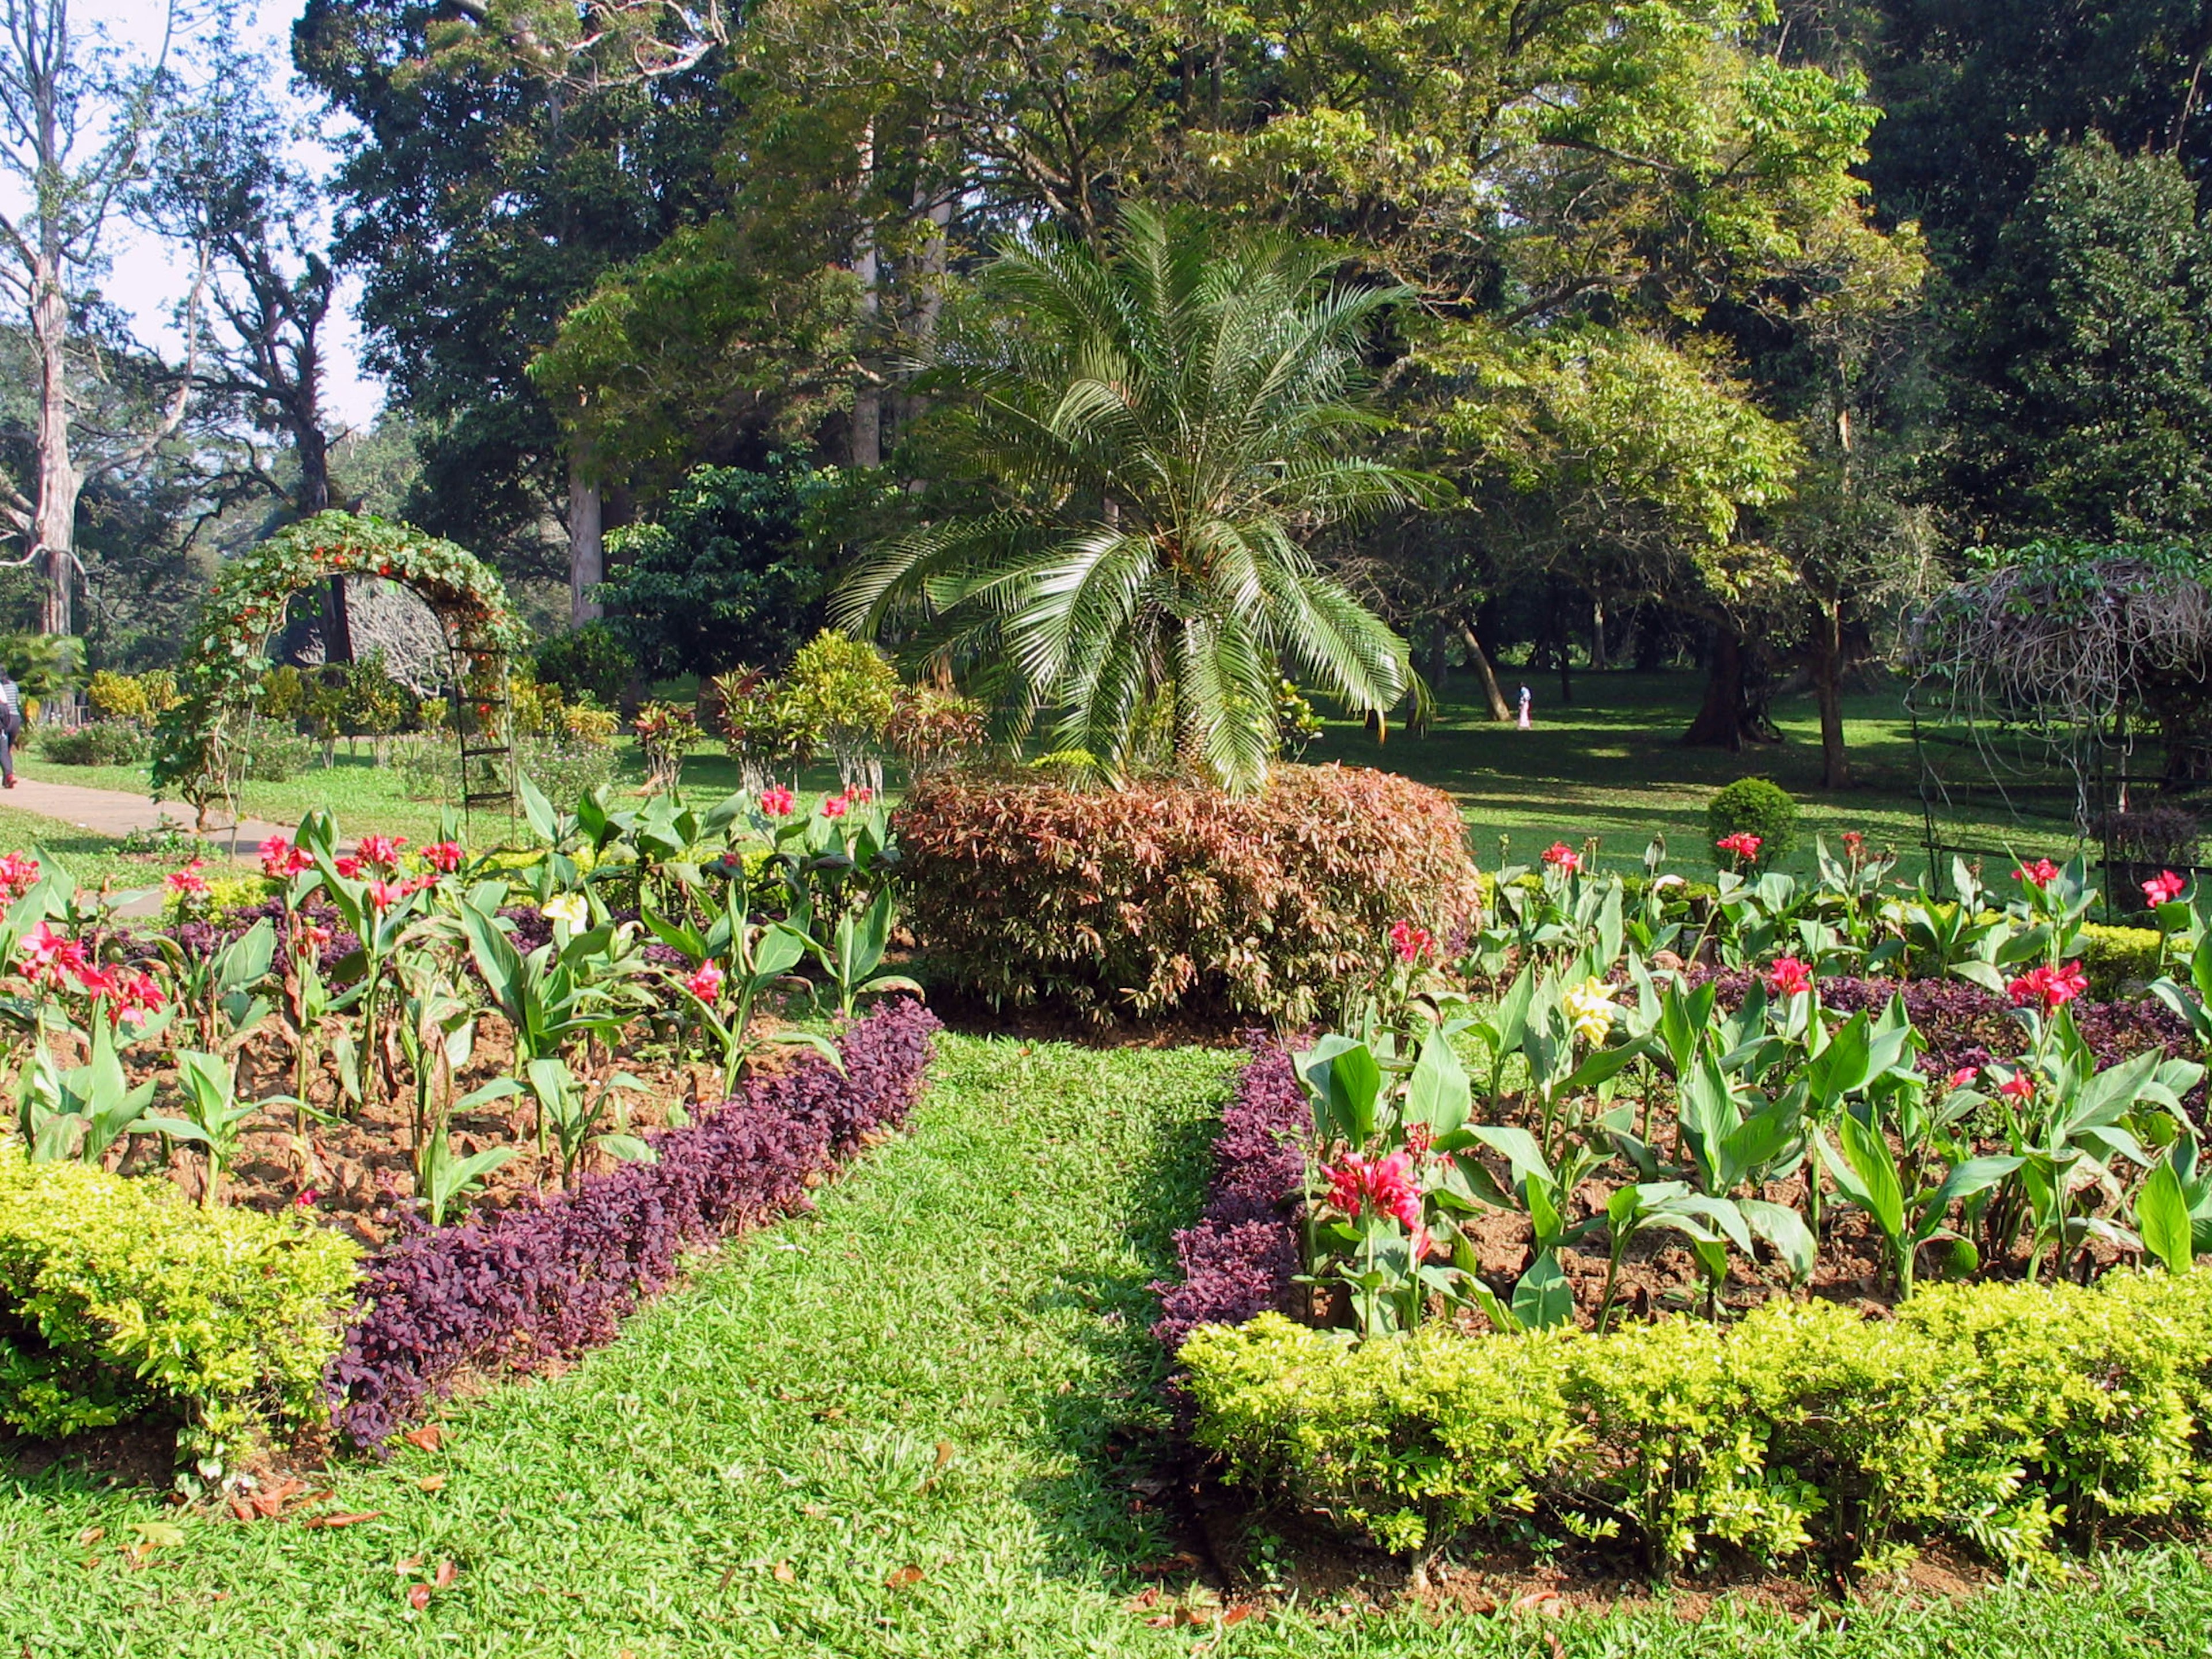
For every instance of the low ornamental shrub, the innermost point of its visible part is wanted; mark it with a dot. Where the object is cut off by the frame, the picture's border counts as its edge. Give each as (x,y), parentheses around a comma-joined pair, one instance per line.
(1242,1257)
(1758,807)
(118,1299)
(552,1278)
(98,743)
(591,661)
(1167,897)
(1991,1413)
(2120,960)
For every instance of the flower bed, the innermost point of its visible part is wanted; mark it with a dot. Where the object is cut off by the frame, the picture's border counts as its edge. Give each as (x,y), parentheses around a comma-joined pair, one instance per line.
(552,1278)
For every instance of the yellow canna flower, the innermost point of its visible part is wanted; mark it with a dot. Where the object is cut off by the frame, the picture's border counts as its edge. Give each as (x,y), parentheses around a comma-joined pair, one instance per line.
(569,907)
(1590,1006)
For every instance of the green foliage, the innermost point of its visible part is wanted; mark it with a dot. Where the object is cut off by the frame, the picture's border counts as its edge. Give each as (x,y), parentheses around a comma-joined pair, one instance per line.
(97,743)
(724,575)
(1159,425)
(118,1298)
(1758,806)
(840,690)
(1155,897)
(2119,961)
(2087,403)
(589,664)
(139,697)
(42,664)
(1987,1413)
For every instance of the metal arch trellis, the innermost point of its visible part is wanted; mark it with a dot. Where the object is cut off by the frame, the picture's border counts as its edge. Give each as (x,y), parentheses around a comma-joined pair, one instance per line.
(222,673)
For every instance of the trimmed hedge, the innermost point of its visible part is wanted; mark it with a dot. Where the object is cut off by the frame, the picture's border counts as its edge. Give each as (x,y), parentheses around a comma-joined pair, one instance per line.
(1168,896)
(118,1298)
(555,1278)
(1991,1413)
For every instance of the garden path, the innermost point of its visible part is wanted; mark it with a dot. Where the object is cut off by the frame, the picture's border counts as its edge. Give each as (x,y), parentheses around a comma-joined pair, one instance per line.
(115,812)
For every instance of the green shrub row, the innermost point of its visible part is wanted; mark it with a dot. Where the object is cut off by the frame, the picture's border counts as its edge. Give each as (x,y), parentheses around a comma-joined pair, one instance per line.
(1993,1413)
(118,1298)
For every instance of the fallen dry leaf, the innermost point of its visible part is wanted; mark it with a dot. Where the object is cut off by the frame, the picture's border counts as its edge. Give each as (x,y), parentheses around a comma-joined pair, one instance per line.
(1149,1598)
(906,1575)
(784,1575)
(432,1483)
(1546,1603)
(413,1563)
(943,1452)
(343,1518)
(242,1508)
(92,1534)
(1167,1567)
(418,1597)
(445,1573)
(814,1511)
(428,1437)
(1238,1614)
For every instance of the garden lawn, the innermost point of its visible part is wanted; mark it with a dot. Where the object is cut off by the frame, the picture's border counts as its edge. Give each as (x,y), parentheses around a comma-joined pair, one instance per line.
(1611,765)
(89,857)
(905,1425)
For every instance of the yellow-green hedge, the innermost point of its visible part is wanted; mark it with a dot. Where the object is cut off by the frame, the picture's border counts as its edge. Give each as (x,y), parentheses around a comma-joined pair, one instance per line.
(1989,1412)
(2117,959)
(118,1298)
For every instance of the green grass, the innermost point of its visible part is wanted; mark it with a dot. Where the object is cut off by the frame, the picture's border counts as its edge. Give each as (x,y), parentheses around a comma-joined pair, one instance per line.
(89,857)
(1611,765)
(978,1285)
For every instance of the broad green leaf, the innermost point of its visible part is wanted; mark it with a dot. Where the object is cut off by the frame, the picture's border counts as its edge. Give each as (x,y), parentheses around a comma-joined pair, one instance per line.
(2162,1218)
(1544,1298)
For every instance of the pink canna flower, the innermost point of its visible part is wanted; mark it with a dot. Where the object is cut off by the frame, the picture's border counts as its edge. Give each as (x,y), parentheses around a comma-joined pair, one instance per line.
(777,802)
(18,875)
(381,852)
(48,955)
(188,882)
(1743,844)
(834,807)
(138,997)
(1789,977)
(1963,1078)
(1410,942)
(706,984)
(280,858)
(2163,888)
(1560,856)
(1383,1186)
(383,894)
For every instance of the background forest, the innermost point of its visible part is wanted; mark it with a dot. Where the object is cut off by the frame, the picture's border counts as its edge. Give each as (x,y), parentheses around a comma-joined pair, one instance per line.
(1707,334)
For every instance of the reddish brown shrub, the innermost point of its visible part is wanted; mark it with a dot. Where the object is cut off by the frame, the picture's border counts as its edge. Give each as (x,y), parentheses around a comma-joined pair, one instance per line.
(1175,896)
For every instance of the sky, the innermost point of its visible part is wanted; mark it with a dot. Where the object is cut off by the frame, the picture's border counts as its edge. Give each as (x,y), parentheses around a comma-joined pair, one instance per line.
(148,276)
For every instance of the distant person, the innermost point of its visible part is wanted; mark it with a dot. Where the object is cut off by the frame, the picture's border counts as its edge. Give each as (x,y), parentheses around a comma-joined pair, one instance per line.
(1525,701)
(11,727)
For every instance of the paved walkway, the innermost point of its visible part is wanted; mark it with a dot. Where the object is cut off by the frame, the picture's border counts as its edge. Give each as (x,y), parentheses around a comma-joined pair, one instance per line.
(113,812)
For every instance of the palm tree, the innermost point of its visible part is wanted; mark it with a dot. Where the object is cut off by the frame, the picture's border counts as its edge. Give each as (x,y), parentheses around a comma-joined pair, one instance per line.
(1159,426)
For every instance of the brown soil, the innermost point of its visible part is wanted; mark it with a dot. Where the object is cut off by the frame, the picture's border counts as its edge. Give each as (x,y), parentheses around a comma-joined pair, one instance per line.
(354,1165)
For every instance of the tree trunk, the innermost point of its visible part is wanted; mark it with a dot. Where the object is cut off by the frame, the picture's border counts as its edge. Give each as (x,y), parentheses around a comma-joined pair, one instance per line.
(866,437)
(1563,639)
(1478,660)
(59,480)
(1597,636)
(1828,691)
(312,451)
(1720,721)
(587,557)
(1438,669)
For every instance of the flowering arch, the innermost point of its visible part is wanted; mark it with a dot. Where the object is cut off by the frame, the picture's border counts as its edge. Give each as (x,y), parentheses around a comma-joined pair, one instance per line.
(221,674)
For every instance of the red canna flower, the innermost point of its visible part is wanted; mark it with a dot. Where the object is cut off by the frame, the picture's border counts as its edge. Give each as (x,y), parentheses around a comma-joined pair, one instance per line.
(834,807)
(188,881)
(2053,988)
(707,984)
(1963,1078)
(138,997)
(280,858)
(384,894)
(442,855)
(18,874)
(1789,977)
(48,955)
(347,866)
(1743,844)
(381,852)
(1564,857)
(1383,1186)
(2041,873)
(777,802)
(1854,844)
(2020,1086)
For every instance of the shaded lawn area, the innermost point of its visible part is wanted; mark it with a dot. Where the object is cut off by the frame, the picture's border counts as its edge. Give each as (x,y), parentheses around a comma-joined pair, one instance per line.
(1611,765)
(749,1469)
(89,857)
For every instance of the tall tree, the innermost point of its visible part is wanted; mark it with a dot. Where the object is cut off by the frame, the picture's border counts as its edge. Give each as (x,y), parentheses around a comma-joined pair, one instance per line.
(2084,396)
(497,168)
(220,181)
(75,122)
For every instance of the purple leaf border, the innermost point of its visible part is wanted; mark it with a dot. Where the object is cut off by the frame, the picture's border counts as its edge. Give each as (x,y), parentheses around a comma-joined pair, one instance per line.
(552,1278)
(1242,1257)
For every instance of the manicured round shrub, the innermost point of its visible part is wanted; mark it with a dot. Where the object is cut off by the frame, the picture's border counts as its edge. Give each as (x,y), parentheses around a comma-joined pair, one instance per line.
(593,662)
(1760,807)
(1166,897)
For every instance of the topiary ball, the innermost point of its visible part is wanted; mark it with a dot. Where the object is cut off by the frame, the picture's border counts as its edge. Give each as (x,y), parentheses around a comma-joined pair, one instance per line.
(1757,807)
